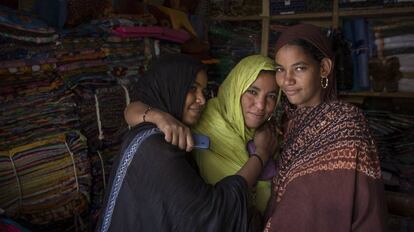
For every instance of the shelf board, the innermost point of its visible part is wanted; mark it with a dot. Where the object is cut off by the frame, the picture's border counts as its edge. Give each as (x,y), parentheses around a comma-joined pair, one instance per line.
(378,94)
(302,16)
(342,13)
(375,11)
(237,18)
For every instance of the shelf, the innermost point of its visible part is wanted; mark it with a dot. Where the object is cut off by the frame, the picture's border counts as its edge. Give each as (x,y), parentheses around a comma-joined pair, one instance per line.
(380,12)
(274,17)
(348,13)
(370,12)
(375,12)
(378,94)
(237,18)
(302,16)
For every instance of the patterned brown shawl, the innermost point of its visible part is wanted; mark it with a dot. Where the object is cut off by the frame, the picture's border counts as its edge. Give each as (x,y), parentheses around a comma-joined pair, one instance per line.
(329,176)
(326,137)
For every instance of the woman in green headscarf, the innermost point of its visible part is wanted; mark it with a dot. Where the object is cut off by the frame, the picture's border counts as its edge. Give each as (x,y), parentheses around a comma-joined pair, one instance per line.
(245,101)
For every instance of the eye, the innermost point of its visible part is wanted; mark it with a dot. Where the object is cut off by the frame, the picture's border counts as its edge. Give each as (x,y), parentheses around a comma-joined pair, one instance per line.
(272,96)
(300,68)
(278,69)
(193,88)
(251,91)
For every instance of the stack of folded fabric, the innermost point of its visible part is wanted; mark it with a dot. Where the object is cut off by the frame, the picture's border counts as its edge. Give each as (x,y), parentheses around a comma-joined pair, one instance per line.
(235,7)
(101,74)
(22,27)
(394,38)
(275,30)
(31,118)
(394,135)
(230,42)
(62,120)
(47,180)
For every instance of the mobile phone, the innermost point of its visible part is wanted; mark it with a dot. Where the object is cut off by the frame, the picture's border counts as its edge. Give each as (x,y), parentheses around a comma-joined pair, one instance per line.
(201,141)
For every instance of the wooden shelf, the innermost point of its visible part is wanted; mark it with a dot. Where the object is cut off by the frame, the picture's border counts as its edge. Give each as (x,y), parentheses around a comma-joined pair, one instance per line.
(375,12)
(238,18)
(342,13)
(378,94)
(380,12)
(274,17)
(348,13)
(302,16)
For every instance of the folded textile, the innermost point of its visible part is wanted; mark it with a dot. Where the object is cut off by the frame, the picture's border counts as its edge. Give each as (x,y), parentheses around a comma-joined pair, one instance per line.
(179,36)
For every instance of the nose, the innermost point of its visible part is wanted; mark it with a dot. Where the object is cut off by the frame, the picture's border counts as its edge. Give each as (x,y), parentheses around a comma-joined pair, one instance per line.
(200,98)
(289,79)
(260,103)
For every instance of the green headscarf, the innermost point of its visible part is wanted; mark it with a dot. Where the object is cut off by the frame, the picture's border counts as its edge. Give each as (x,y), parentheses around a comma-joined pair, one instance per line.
(223,122)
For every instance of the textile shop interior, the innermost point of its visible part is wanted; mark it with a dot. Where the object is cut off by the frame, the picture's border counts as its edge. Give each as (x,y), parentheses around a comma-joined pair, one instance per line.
(67,67)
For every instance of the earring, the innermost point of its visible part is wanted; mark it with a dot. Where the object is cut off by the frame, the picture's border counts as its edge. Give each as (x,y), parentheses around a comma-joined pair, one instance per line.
(324,82)
(268,119)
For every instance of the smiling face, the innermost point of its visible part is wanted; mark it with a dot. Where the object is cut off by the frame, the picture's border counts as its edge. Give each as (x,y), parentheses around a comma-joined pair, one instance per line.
(195,100)
(259,100)
(299,76)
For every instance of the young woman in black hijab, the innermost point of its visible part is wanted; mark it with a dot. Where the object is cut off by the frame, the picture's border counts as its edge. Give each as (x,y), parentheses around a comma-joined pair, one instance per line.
(154,185)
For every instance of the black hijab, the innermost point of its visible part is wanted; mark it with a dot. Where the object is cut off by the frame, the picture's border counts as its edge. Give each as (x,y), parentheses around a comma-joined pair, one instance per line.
(167,81)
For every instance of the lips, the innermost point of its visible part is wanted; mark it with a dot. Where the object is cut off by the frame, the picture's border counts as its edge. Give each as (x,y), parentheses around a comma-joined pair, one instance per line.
(196,110)
(257,116)
(290,92)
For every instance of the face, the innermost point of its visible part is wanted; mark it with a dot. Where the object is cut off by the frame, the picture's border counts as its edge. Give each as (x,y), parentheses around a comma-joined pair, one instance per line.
(195,100)
(299,76)
(259,100)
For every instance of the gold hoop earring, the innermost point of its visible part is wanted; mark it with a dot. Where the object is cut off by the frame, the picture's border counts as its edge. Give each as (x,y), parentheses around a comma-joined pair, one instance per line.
(324,82)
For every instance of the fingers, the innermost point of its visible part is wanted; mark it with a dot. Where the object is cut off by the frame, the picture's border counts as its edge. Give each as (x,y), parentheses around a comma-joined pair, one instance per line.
(179,135)
(189,140)
(182,140)
(174,140)
(168,135)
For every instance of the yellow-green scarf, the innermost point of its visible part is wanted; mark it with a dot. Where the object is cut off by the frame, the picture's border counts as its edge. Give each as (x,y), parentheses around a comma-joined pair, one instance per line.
(223,122)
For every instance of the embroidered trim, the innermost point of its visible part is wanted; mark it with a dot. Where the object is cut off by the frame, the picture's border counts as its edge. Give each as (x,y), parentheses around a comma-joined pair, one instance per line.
(126,159)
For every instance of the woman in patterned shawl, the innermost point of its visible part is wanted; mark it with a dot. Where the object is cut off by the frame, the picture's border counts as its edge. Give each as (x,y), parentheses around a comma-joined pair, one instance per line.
(329,176)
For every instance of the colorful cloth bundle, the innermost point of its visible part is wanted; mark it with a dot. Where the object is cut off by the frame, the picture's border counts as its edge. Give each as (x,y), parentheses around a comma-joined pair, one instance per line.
(26,85)
(234,7)
(31,118)
(26,66)
(47,180)
(101,115)
(157,32)
(230,42)
(24,27)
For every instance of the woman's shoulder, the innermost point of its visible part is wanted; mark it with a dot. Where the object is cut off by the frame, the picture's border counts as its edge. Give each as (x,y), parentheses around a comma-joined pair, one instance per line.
(342,106)
(156,143)
(154,140)
(345,110)
(344,115)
